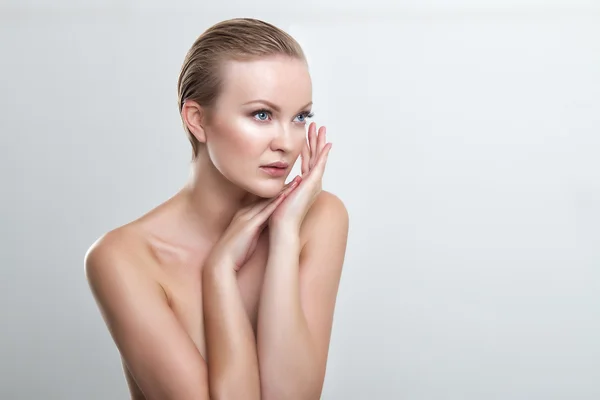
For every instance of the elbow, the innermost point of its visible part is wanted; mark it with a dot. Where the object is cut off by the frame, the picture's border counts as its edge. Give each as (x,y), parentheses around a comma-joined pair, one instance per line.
(304,395)
(234,389)
(233,395)
(299,390)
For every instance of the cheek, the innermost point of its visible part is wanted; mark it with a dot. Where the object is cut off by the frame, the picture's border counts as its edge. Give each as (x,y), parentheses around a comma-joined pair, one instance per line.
(301,141)
(236,146)
(243,138)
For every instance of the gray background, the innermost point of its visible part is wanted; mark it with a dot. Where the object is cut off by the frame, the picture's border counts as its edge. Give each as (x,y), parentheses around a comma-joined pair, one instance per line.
(466,150)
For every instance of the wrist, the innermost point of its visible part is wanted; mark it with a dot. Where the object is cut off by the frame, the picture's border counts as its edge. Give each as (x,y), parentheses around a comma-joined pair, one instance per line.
(287,240)
(284,229)
(218,268)
(284,233)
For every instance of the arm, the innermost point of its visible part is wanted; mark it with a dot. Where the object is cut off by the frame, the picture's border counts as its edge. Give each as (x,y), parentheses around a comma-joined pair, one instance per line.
(231,345)
(230,341)
(156,349)
(298,300)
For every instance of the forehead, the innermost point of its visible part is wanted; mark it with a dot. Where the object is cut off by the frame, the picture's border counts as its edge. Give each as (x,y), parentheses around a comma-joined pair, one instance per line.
(282,80)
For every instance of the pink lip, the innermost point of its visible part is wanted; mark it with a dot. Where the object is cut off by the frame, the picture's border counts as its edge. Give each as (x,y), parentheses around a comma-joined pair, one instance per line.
(274,171)
(278,164)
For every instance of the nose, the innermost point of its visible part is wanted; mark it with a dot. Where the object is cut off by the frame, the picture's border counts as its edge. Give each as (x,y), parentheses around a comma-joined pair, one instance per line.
(283,140)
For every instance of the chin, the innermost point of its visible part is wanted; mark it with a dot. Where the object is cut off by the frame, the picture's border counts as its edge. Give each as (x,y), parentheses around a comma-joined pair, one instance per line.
(267,188)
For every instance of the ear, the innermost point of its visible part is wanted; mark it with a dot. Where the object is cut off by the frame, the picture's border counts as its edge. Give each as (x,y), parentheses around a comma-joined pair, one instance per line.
(194,116)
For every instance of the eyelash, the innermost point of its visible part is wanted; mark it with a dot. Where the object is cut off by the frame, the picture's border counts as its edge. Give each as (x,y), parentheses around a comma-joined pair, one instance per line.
(306,114)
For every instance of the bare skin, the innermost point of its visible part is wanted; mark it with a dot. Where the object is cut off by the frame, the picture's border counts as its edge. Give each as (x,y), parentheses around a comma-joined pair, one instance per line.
(148,276)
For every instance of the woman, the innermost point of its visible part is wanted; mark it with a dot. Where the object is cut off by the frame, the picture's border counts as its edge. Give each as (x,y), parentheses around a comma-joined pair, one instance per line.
(227,290)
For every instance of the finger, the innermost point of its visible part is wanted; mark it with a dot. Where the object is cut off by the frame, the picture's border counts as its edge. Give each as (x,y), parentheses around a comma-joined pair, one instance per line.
(260,218)
(289,184)
(252,208)
(260,207)
(255,207)
(312,141)
(305,155)
(292,185)
(321,140)
(322,161)
(254,243)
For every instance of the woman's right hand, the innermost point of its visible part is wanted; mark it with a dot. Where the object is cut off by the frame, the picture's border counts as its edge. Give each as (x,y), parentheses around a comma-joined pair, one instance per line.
(239,240)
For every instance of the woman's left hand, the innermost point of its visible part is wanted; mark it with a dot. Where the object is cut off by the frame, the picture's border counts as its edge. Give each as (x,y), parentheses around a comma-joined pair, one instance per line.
(291,212)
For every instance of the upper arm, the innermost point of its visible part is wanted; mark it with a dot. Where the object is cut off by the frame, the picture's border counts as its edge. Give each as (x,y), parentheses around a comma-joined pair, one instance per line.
(321,260)
(156,349)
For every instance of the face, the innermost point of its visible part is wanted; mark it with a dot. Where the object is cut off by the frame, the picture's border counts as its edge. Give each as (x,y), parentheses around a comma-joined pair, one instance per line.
(260,118)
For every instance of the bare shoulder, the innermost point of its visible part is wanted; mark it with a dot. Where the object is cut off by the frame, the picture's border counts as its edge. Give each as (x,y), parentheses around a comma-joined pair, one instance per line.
(118,256)
(112,246)
(328,213)
(155,347)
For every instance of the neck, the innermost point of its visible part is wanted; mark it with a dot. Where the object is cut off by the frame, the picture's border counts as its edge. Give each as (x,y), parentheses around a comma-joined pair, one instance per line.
(212,200)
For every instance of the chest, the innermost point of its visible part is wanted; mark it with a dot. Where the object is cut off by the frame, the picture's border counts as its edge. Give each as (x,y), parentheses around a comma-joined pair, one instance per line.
(185,293)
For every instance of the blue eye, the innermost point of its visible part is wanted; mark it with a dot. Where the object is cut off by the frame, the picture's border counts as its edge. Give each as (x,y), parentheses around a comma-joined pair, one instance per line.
(305,116)
(263,115)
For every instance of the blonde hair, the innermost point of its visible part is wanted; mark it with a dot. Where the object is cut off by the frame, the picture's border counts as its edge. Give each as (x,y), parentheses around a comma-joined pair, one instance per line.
(233,39)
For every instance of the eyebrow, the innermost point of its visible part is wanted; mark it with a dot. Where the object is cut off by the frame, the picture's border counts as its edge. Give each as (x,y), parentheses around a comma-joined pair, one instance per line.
(273,106)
